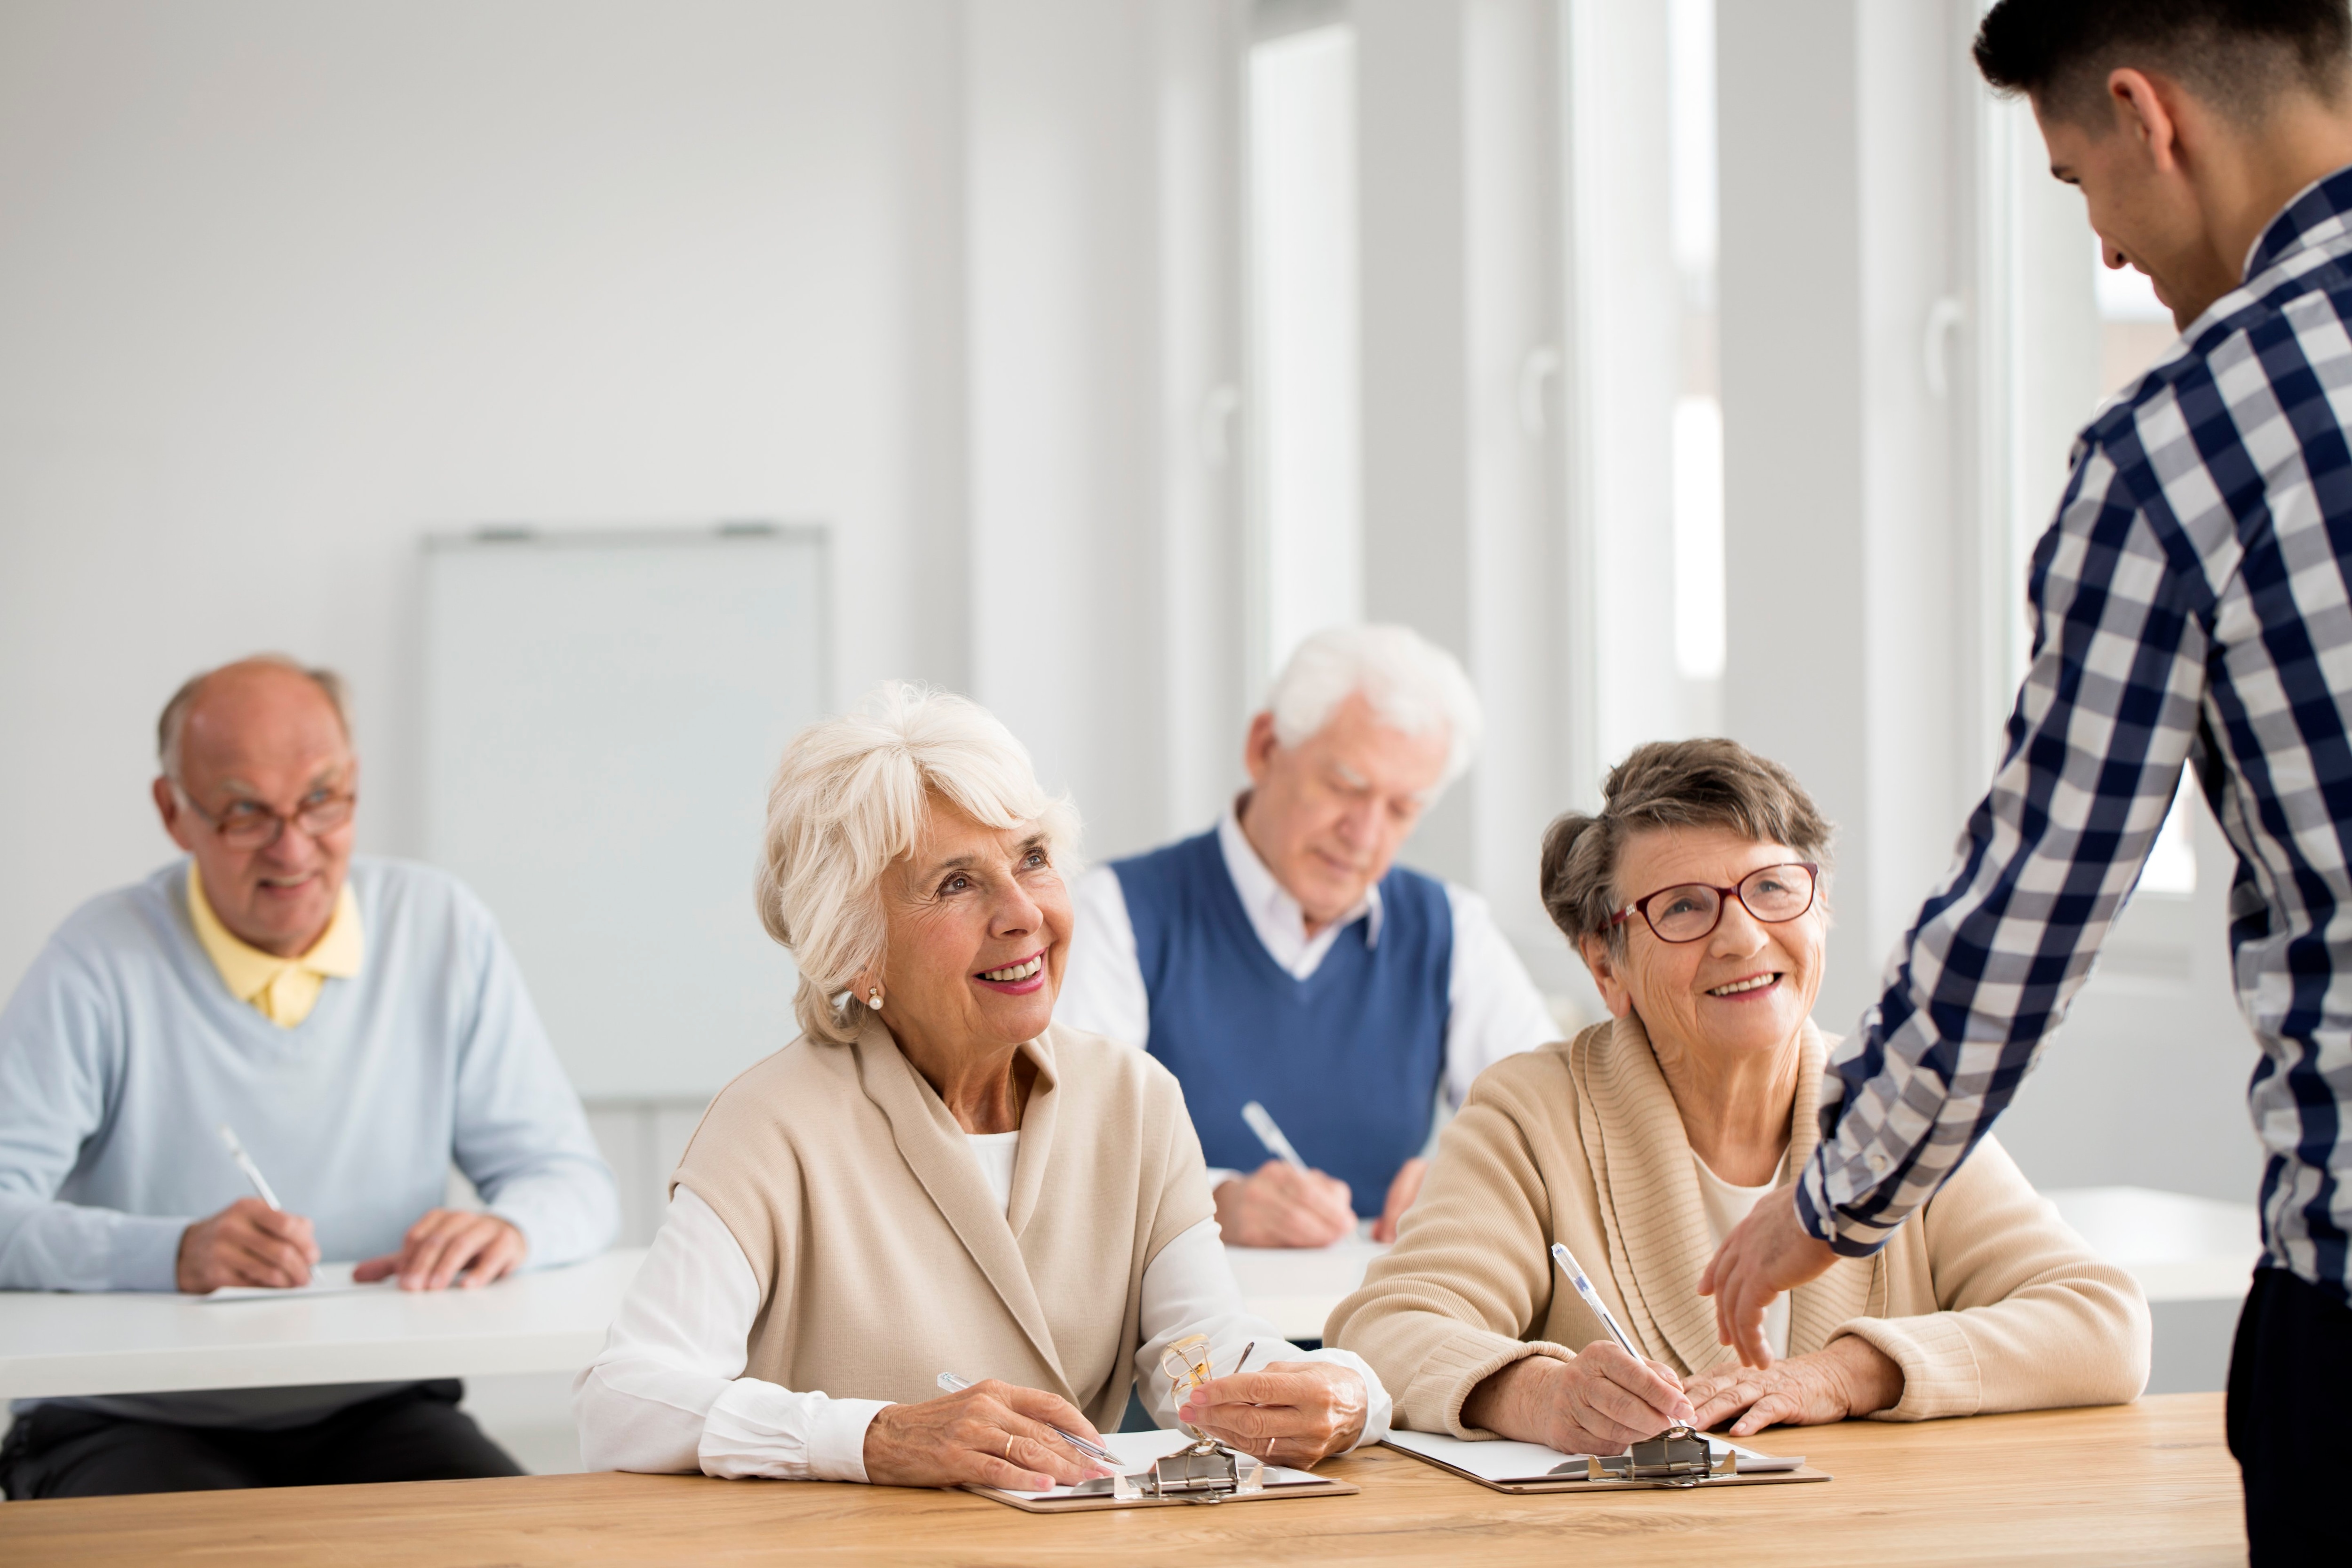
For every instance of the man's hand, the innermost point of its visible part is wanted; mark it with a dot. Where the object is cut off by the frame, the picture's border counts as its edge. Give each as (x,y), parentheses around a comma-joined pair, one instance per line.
(1402,1191)
(247,1243)
(1767,1254)
(1848,1377)
(1598,1403)
(1274,1205)
(444,1244)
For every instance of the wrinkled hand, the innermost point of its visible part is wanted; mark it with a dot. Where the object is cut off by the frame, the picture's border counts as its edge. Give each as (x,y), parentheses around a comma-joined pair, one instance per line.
(1601,1402)
(990,1434)
(1849,1377)
(1291,1412)
(444,1244)
(1274,1205)
(247,1243)
(1767,1254)
(1402,1191)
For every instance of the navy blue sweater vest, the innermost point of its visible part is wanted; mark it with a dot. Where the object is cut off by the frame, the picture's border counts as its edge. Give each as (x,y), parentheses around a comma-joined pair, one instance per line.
(1346,1060)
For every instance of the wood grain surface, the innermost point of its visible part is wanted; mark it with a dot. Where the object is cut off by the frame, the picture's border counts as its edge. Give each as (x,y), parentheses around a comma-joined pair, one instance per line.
(2146,1483)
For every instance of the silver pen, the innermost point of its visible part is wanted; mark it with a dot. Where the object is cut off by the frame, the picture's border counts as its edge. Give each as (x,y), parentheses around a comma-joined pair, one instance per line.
(1092,1450)
(1263,1124)
(1592,1297)
(252,1171)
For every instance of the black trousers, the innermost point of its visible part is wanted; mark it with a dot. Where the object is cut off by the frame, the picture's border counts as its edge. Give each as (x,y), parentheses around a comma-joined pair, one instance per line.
(2291,1366)
(414,1433)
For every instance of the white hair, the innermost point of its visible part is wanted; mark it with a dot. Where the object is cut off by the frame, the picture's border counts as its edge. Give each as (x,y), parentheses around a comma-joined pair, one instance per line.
(853,794)
(1411,683)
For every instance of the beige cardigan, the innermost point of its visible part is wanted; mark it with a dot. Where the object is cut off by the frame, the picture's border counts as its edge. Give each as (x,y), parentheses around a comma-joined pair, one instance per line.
(884,1260)
(1985,1297)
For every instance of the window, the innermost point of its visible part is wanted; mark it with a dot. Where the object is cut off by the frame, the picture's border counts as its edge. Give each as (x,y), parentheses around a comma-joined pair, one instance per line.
(1699,405)
(1309,529)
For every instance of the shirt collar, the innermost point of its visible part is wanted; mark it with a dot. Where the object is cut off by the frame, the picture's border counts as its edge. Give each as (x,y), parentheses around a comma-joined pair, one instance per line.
(1269,902)
(247,971)
(2320,212)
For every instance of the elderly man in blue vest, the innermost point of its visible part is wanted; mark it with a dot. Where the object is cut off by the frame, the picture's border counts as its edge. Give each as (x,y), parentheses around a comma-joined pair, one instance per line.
(358,1023)
(1282,956)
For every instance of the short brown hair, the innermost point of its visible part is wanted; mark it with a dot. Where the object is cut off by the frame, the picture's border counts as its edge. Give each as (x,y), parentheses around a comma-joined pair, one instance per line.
(174,717)
(1670,784)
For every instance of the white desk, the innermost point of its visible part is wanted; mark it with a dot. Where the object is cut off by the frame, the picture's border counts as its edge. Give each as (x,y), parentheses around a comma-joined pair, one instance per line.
(1297,1288)
(58,1343)
(2180,1248)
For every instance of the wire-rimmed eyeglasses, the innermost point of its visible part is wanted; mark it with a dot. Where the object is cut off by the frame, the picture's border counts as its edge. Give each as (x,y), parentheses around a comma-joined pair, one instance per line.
(1690,910)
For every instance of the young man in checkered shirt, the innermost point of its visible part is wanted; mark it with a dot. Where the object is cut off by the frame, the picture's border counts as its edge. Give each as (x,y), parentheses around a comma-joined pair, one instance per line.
(2192,603)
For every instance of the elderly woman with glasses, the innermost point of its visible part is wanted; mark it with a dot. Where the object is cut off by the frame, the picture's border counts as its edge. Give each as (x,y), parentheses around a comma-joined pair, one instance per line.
(1694,899)
(935,1185)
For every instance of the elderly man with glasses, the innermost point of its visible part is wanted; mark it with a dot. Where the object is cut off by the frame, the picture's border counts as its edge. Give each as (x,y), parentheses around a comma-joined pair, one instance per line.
(1284,959)
(357,1023)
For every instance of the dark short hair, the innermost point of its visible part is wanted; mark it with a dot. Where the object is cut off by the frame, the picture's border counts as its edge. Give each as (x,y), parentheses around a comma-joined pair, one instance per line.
(2237,55)
(1670,784)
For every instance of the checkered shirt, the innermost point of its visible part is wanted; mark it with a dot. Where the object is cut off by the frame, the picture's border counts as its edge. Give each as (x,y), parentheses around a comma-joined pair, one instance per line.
(2191,604)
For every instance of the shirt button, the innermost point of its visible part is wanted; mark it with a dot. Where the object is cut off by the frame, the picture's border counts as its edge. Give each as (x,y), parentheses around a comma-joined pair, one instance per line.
(1877,1165)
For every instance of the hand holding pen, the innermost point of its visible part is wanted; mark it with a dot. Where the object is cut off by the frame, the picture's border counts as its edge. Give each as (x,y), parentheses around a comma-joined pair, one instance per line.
(251,1242)
(987,1434)
(1285,1202)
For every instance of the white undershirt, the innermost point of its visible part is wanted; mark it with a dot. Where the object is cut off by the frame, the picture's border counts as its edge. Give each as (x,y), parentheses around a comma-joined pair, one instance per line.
(667,1393)
(1727,1205)
(1493,1008)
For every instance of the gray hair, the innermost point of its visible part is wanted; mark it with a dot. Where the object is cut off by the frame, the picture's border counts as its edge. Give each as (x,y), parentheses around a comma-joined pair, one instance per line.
(1411,683)
(1670,784)
(854,794)
(174,717)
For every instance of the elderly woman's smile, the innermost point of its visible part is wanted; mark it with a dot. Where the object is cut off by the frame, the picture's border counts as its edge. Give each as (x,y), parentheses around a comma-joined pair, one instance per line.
(1743,987)
(979,921)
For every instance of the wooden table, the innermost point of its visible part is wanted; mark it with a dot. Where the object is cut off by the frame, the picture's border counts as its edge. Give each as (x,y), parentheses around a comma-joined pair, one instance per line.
(2149,1483)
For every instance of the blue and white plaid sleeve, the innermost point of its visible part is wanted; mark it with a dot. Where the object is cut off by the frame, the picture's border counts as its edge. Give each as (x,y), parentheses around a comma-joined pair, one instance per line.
(2107,714)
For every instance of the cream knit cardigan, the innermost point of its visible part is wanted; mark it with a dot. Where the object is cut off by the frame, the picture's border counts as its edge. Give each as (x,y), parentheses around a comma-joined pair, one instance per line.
(883,1260)
(1985,1297)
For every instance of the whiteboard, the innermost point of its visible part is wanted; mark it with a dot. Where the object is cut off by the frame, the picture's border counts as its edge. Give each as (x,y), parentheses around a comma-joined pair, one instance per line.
(603,712)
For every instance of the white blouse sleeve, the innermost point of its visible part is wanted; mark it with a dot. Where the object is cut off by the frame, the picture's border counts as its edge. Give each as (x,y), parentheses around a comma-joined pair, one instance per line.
(667,1393)
(1189,1289)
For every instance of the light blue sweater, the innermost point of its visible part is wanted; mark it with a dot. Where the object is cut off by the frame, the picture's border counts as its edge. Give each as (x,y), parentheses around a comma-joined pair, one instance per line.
(122,1052)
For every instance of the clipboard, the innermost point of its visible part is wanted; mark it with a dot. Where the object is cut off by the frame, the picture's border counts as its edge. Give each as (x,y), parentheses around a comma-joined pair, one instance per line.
(1138,1452)
(1522,1468)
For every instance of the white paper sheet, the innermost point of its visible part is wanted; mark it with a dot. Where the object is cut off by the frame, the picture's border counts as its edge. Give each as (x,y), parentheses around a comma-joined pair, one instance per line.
(1506,1461)
(326,1279)
(1138,1451)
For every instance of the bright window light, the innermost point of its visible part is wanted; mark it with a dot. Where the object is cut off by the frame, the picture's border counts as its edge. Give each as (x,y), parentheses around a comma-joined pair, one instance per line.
(1302,191)
(2171,865)
(1698,538)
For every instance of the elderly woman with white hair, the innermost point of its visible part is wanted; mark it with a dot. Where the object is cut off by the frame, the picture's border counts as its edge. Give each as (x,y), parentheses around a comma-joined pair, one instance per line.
(934,1178)
(1284,958)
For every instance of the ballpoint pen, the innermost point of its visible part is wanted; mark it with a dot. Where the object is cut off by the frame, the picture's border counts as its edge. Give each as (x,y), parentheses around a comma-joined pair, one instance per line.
(1263,1124)
(1095,1451)
(252,1171)
(1592,1297)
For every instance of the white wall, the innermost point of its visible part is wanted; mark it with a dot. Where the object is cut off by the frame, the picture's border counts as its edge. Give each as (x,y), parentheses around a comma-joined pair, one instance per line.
(284,285)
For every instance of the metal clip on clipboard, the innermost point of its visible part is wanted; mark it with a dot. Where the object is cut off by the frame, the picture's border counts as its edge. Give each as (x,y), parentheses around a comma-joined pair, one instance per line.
(1678,1457)
(1206,1471)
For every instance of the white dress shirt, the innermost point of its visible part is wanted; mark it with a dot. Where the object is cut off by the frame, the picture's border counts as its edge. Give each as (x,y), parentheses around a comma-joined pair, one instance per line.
(1493,1009)
(667,1393)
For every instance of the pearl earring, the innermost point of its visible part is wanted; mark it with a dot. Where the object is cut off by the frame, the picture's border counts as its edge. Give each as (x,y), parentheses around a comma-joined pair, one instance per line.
(874,998)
